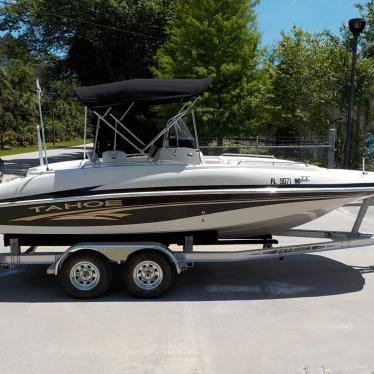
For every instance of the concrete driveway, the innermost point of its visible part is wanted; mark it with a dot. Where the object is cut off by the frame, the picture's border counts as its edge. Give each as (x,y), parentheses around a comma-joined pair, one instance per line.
(264,316)
(306,314)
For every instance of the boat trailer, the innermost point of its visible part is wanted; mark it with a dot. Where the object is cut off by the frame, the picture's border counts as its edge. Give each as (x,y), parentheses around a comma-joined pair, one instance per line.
(149,267)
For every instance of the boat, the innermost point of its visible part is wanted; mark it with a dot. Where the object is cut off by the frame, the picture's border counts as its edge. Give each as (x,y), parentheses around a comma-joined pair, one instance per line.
(167,189)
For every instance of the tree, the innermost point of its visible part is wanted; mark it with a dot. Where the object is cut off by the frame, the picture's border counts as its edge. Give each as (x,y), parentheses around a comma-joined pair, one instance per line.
(310,75)
(364,105)
(17,102)
(98,40)
(63,114)
(309,79)
(367,43)
(91,41)
(219,39)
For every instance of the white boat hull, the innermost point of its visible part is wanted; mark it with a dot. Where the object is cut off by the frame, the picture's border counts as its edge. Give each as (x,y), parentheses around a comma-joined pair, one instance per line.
(231,200)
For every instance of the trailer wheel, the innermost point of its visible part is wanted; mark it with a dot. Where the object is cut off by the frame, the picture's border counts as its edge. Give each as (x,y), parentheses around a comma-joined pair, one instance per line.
(85,275)
(147,275)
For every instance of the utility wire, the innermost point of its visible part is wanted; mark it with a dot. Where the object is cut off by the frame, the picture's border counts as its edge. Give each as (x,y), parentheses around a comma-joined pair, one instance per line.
(91,23)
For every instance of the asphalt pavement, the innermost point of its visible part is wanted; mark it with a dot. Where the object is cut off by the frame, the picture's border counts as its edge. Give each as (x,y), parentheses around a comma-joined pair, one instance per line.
(17,165)
(306,314)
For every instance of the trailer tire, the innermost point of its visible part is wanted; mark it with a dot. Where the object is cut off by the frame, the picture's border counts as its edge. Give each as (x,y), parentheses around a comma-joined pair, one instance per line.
(147,275)
(85,275)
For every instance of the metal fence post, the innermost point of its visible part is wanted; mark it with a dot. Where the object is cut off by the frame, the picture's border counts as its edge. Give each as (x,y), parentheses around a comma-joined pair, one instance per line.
(331,149)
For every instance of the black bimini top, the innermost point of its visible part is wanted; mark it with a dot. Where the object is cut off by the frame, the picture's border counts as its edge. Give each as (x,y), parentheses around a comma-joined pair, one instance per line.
(152,91)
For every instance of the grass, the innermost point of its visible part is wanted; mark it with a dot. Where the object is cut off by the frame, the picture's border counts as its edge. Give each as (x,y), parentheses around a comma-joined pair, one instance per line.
(33,148)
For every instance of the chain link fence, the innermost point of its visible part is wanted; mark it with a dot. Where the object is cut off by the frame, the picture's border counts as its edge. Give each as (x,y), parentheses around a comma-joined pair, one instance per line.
(317,151)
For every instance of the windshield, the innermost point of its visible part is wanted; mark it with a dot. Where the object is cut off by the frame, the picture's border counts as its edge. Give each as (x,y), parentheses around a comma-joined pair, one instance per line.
(179,136)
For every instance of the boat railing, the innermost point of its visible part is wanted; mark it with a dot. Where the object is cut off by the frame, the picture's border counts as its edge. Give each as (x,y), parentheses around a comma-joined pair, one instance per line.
(247,155)
(274,163)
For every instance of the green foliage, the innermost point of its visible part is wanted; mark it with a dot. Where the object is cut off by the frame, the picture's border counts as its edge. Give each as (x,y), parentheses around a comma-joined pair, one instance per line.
(219,39)
(90,42)
(18,103)
(98,40)
(367,11)
(309,79)
(365,78)
(298,88)
(65,114)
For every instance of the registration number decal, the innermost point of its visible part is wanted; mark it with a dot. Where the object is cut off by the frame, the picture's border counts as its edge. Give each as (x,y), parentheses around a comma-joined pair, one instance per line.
(286,180)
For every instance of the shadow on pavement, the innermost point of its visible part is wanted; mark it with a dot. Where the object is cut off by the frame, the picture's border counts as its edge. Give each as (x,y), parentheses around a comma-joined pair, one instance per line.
(298,276)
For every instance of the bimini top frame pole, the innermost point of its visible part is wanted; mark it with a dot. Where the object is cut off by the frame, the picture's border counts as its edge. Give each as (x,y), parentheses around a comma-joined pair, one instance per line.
(85,133)
(118,121)
(39,95)
(172,121)
(102,118)
(143,147)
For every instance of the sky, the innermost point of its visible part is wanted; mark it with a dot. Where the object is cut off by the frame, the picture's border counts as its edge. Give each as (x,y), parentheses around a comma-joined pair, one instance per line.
(275,16)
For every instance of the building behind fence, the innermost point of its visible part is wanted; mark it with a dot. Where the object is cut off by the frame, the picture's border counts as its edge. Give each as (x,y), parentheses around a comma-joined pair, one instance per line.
(315,151)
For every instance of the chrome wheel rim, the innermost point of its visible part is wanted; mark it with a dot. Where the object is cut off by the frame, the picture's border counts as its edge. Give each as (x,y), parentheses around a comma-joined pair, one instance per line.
(84,276)
(148,275)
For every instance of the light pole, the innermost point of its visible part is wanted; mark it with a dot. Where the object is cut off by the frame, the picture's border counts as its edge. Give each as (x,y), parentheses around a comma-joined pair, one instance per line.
(357,26)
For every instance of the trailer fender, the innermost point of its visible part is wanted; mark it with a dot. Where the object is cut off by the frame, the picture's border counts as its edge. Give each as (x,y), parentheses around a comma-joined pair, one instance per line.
(116,252)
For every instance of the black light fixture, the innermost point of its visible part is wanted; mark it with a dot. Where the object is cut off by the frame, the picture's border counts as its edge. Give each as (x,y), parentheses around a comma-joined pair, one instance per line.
(357,26)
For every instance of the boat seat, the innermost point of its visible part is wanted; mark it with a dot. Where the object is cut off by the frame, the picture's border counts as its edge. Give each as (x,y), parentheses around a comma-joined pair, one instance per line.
(181,154)
(114,156)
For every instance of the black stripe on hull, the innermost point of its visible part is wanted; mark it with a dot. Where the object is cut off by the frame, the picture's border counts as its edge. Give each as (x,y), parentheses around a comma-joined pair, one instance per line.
(147,209)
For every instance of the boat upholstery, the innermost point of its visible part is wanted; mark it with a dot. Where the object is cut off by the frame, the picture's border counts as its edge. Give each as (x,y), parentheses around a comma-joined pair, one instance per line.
(114,156)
